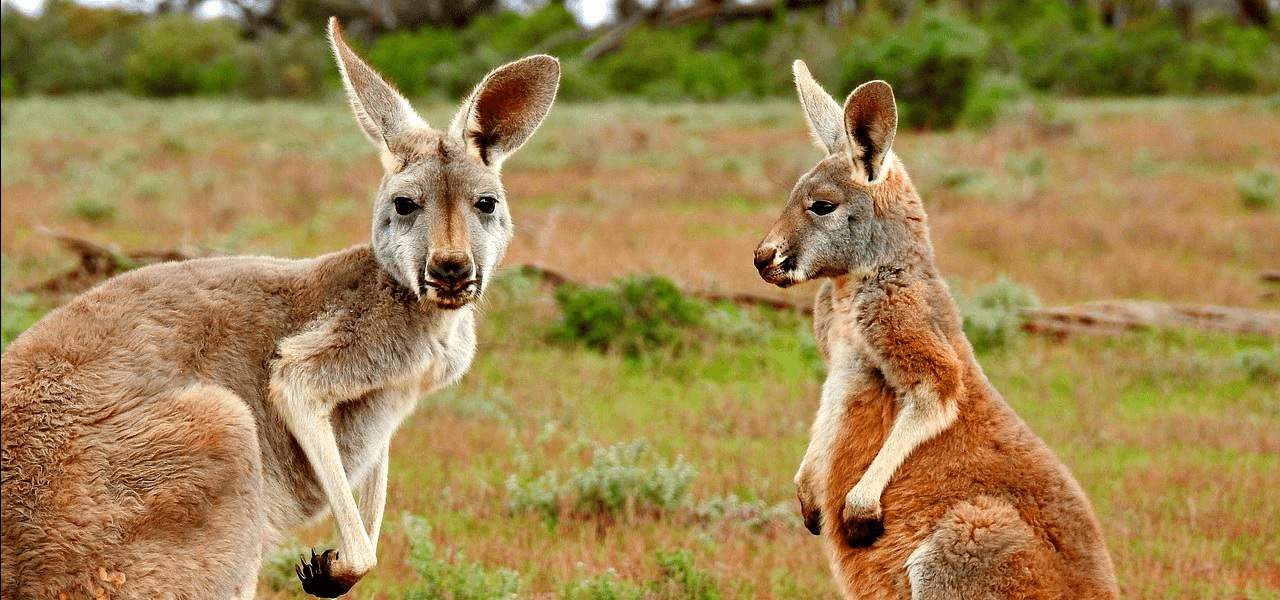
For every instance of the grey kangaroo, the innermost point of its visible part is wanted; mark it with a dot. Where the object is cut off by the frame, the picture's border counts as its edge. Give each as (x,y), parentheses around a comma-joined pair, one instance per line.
(164,429)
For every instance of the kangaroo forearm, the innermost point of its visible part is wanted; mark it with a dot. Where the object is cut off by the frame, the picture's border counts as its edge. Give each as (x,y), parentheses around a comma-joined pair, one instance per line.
(921,419)
(373,499)
(309,423)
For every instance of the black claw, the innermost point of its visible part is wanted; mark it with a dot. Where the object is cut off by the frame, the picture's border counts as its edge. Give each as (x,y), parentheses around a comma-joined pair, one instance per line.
(317,577)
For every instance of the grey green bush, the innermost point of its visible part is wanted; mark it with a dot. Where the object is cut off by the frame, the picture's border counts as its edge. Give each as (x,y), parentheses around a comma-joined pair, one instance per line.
(678,579)
(1259,364)
(449,575)
(1258,190)
(621,480)
(992,315)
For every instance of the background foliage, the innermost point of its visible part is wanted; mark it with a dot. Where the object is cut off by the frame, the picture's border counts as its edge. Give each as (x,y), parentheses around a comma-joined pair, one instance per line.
(950,62)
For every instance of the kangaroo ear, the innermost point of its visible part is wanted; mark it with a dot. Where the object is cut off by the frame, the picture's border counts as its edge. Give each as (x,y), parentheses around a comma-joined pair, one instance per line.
(871,122)
(821,110)
(381,111)
(507,107)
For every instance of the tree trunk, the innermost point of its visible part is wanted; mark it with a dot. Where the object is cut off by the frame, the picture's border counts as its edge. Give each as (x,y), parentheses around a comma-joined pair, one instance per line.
(1255,12)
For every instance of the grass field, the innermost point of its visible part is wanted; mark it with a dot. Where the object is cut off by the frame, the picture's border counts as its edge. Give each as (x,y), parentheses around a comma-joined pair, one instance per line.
(1175,435)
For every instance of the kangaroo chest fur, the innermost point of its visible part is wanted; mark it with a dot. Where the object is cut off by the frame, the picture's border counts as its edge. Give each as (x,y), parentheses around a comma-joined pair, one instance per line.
(364,425)
(434,353)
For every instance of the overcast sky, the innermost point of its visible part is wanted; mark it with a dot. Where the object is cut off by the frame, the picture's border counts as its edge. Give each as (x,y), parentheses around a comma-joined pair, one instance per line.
(589,12)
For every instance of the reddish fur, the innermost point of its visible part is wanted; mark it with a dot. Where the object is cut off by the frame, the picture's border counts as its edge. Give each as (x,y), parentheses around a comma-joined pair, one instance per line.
(986,482)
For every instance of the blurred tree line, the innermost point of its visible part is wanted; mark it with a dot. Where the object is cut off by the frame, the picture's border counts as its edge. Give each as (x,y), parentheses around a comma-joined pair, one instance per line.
(950,61)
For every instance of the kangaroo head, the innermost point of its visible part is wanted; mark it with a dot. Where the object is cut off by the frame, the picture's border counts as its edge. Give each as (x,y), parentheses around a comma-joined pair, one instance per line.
(440,218)
(856,209)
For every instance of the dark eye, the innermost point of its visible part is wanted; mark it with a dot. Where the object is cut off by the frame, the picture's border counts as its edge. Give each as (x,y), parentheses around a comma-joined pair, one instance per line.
(486,204)
(821,208)
(405,206)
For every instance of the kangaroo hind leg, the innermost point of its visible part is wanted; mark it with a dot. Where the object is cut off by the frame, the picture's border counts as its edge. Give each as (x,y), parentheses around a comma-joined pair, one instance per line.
(980,549)
(195,465)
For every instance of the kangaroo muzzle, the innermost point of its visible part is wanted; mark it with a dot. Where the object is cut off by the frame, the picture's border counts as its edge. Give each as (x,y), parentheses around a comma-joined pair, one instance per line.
(450,279)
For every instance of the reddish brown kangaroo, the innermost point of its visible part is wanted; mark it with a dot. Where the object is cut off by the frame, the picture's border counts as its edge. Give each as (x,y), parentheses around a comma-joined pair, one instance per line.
(919,476)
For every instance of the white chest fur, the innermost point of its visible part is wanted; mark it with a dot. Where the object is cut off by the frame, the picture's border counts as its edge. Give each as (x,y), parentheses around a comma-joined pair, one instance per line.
(364,426)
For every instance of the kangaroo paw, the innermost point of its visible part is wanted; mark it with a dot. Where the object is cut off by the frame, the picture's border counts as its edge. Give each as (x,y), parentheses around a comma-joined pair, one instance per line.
(862,521)
(318,577)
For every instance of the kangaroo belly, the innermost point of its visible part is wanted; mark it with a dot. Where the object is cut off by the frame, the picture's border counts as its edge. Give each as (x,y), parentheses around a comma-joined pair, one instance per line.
(988,453)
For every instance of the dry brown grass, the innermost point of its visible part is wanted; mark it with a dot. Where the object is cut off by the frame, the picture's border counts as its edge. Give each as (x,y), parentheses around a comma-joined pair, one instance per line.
(1179,451)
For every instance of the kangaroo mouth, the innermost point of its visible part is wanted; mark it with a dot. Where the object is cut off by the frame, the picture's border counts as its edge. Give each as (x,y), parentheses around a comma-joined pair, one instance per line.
(451,296)
(782,274)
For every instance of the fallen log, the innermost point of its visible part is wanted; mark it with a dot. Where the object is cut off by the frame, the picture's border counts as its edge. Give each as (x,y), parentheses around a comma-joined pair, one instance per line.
(99,262)
(1116,316)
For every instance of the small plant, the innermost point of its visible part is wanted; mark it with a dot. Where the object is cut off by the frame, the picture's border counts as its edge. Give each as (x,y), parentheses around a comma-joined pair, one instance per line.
(681,579)
(992,315)
(605,586)
(1259,364)
(20,313)
(630,477)
(754,514)
(539,495)
(92,209)
(1028,169)
(1258,190)
(632,315)
(622,479)
(452,577)
(678,579)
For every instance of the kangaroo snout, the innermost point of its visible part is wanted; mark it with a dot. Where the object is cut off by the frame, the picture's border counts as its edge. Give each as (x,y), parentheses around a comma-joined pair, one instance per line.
(450,279)
(764,256)
(775,265)
(450,270)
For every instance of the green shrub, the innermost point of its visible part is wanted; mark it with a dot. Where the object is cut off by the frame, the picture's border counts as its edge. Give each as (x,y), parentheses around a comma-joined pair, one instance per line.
(449,576)
(1226,58)
(62,67)
(69,48)
(715,75)
(934,64)
(645,62)
(514,35)
(1259,364)
(92,209)
(292,64)
(992,315)
(681,579)
(622,479)
(177,55)
(1258,190)
(605,586)
(989,98)
(678,579)
(20,312)
(407,58)
(579,83)
(632,315)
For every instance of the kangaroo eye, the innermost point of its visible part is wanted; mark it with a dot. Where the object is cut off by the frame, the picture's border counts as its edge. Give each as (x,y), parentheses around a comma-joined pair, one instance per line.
(486,204)
(821,208)
(405,206)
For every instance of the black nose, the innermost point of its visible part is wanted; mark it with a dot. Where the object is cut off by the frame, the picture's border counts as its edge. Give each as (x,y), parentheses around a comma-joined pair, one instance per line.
(451,269)
(764,257)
